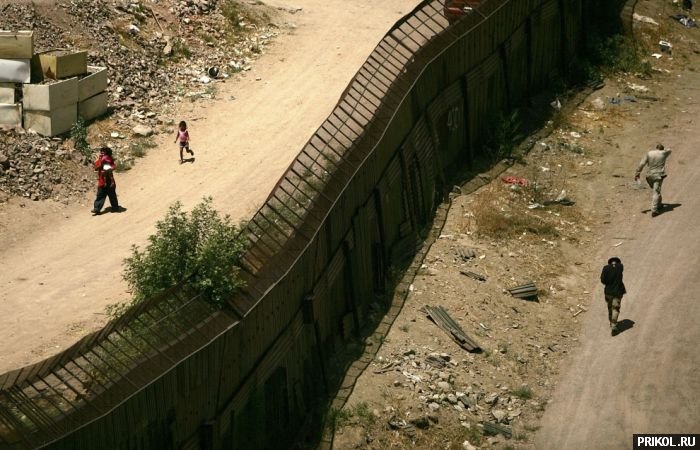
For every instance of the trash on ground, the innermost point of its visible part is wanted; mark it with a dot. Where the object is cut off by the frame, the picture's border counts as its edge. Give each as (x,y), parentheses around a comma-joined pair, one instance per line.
(556,104)
(535,206)
(657,55)
(527,290)
(493,429)
(644,19)
(439,316)
(687,21)
(623,99)
(561,199)
(638,87)
(512,179)
(666,46)
(474,275)
(466,253)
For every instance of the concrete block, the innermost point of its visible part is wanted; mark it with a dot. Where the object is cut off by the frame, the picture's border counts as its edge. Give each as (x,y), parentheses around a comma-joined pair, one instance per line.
(16,44)
(15,70)
(11,115)
(51,123)
(94,83)
(58,65)
(7,92)
(47,97)
(93,107)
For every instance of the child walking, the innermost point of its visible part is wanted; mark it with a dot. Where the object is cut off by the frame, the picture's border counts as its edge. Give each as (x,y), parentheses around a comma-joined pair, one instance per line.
(183,136)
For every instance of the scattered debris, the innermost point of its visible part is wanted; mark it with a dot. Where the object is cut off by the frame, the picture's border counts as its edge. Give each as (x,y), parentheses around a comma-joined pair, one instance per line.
(656,55)
(644,19)
(474,275)
(666,46)
(466,254)
(638,87)
(442,319)
(515,180)
(687,21)
(493,429)
(527,290)
(561,199)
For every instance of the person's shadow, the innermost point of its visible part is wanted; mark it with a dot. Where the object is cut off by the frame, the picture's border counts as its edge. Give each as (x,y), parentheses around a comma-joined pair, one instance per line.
(665,207)
(624,325)
(188,160)
(120,209)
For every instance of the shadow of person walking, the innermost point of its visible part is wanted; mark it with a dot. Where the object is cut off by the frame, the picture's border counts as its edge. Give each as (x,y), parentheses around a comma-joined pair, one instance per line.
(624,325)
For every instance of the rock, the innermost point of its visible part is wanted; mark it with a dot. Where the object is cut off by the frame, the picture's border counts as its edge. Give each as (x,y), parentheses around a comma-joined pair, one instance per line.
(4,161)
(498,414)
(466,445)
(142,130)
(598,104)
(434,406)
(491,399)
(452,399)
(444,386)
(420,422)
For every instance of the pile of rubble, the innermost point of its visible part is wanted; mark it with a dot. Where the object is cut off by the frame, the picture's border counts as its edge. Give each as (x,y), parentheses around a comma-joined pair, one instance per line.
(40,168)
(437,382)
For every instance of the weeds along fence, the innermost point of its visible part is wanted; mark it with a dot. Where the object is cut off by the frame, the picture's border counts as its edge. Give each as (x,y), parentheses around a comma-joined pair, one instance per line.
(174,373)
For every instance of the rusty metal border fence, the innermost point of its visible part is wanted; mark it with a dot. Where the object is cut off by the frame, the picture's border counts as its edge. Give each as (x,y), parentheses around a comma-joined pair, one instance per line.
(44,402)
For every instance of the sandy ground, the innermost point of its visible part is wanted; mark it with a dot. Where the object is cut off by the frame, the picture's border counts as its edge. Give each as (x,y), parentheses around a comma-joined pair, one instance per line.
(644,380)
(60,267)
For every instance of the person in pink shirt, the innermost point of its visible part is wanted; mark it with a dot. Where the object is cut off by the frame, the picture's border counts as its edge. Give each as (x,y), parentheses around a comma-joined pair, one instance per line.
(183,137)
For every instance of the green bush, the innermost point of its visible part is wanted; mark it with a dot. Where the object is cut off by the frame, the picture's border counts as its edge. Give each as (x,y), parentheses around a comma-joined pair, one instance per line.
(202,245)
(79,133)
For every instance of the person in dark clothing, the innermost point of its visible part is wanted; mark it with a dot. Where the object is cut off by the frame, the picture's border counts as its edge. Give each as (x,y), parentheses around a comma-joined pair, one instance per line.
(611,277)
(106,186)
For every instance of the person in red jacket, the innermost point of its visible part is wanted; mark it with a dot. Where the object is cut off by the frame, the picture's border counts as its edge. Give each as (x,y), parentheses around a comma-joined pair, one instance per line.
(106,186)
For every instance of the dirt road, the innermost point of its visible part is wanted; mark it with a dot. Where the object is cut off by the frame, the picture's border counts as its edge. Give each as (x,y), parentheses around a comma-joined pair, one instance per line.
(644,380)
(60,267)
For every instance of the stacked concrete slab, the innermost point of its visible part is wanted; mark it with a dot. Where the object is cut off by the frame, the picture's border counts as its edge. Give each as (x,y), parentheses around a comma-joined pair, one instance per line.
(57,87)
(16,50)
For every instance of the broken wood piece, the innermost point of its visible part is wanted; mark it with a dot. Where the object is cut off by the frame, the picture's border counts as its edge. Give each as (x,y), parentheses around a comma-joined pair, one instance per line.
(439,316)
(527,290)
(578,312)
(476,276)
(493,429)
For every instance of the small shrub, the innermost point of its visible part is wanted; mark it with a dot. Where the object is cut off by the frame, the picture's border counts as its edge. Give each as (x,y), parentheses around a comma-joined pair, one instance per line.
(497,217)
(201,245)
(180,49)
(503,136)
(619,53)
(79,134)
(523,393)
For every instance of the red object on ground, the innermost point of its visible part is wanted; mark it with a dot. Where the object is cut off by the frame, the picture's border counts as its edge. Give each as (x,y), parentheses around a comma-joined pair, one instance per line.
(512,179)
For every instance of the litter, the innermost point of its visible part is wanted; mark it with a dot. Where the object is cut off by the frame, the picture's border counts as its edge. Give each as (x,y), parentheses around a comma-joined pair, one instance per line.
(644,19)
(556,104)
(527,290)
(518,181)
(466,254)
(492,429)
(575,135)
(666,46)
(657,55)
(621,100)
(474,275)
(687,21)
(638,88)
(438,315)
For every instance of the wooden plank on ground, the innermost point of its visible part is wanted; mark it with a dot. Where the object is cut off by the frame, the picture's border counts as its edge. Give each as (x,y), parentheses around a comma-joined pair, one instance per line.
(442,319)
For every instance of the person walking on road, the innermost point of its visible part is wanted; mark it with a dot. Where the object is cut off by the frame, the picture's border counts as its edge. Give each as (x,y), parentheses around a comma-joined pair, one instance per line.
(656,172)
(611,277)
(183,137)
(106,186)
